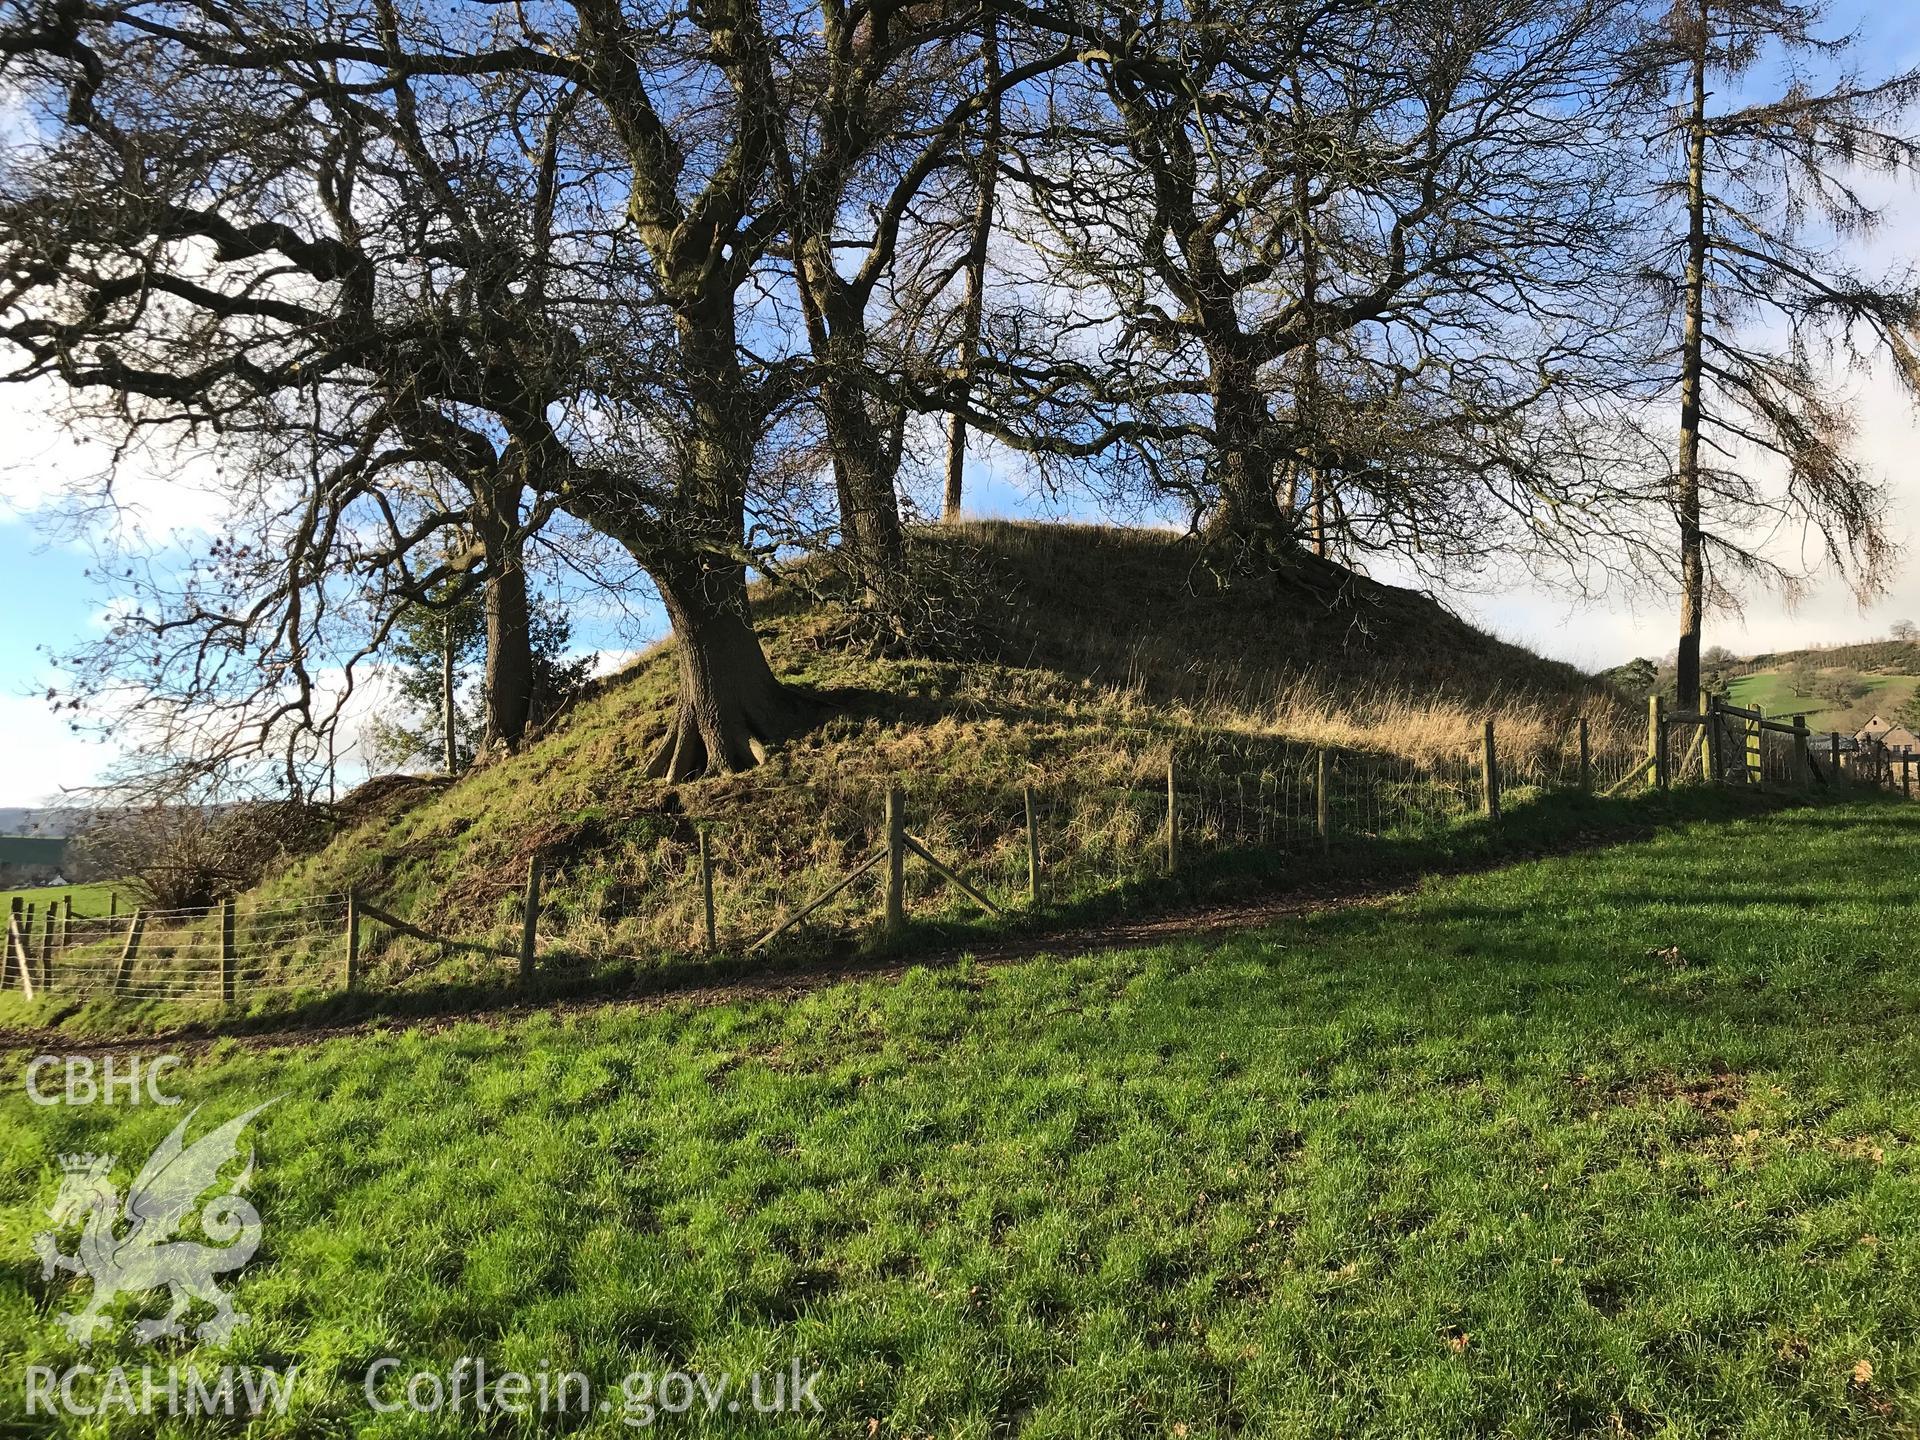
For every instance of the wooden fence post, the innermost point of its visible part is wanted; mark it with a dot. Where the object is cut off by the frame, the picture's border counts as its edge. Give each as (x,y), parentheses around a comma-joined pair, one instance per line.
(1709,739)
(1586,758)
(46,940)
(1033,847)
(16,908)
(1173,821)
(1906,774)
(1490,772)
(353,938)
(894,917)
(1323,799)
(226,951)
(706,888)
(130,952)
(1802,751)
(530,921)
(113,904)
(54,949)
(1834,739)
(1657,739)
(18,952)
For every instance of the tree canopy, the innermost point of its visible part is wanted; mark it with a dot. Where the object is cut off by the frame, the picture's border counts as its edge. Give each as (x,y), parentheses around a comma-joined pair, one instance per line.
(440,283)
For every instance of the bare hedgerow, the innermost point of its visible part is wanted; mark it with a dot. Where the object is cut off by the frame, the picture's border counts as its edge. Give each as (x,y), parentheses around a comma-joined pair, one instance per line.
(186,857)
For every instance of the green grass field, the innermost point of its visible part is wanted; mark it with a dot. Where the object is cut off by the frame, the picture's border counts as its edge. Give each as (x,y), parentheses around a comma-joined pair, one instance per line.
(1771,691)
(1616,1143)
(87,899)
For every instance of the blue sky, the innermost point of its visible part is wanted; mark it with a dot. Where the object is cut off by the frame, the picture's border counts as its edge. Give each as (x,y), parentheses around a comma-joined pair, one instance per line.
(46,598)
(43,593)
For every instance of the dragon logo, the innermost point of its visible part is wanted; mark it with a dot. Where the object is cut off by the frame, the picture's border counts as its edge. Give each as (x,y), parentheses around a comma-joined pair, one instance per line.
(146,1254)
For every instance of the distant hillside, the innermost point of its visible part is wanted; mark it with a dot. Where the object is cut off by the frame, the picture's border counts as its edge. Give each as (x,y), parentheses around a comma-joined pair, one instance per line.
(40,820)
(1776,692)
(1836,687)
(1899,657)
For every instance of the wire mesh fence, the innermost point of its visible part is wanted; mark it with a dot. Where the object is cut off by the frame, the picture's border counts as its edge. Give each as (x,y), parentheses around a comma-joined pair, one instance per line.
(659,887)
(214,953)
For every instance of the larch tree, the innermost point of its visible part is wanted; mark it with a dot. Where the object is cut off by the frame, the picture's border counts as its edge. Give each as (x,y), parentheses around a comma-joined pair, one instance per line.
(1764,185)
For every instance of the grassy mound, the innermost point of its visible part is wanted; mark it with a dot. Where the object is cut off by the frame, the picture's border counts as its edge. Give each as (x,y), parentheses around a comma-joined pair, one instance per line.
(1100,654)
(1137,610)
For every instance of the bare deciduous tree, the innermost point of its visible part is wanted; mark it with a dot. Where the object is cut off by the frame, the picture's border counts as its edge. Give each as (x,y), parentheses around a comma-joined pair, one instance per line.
(1327,260)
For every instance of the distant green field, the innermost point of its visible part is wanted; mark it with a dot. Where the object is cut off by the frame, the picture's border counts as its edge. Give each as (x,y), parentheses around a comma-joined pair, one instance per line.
(1770,691)
(87,899)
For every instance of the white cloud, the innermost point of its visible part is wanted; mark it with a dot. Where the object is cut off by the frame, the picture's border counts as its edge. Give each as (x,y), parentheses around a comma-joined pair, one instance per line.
(159,489)
(1596,635)
(40,755)
(609,662)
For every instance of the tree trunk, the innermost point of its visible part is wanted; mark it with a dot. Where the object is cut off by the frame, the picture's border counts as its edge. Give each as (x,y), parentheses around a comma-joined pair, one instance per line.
(731,708)
(1687,498)
(509,672)
(864,465)
(1306,422)
(864,476)
(1248,513)
(976,268)
(449,724)
(507,686)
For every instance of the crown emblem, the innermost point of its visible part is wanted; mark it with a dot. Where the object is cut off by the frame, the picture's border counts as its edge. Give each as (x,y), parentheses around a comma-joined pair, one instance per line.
(86,1163)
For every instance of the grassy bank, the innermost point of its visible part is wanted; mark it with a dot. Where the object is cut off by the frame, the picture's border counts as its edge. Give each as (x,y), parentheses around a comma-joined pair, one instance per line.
(1098,656)
(1618,1142)
(1216,870)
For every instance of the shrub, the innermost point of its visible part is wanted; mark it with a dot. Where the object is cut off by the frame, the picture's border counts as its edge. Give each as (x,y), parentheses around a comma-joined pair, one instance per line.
(185,857)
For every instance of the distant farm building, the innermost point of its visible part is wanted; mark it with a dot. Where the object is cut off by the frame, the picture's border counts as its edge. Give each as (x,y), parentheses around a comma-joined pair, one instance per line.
(1897,738)
(31,860)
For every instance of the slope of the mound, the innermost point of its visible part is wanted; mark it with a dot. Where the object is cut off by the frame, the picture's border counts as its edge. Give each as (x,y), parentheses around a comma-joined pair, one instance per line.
(1141,608)
(1103,653)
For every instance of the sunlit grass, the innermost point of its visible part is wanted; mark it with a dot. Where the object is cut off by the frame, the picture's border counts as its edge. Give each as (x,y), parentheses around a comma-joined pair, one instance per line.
(1773,692)
(1615,1143)
(88,900)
